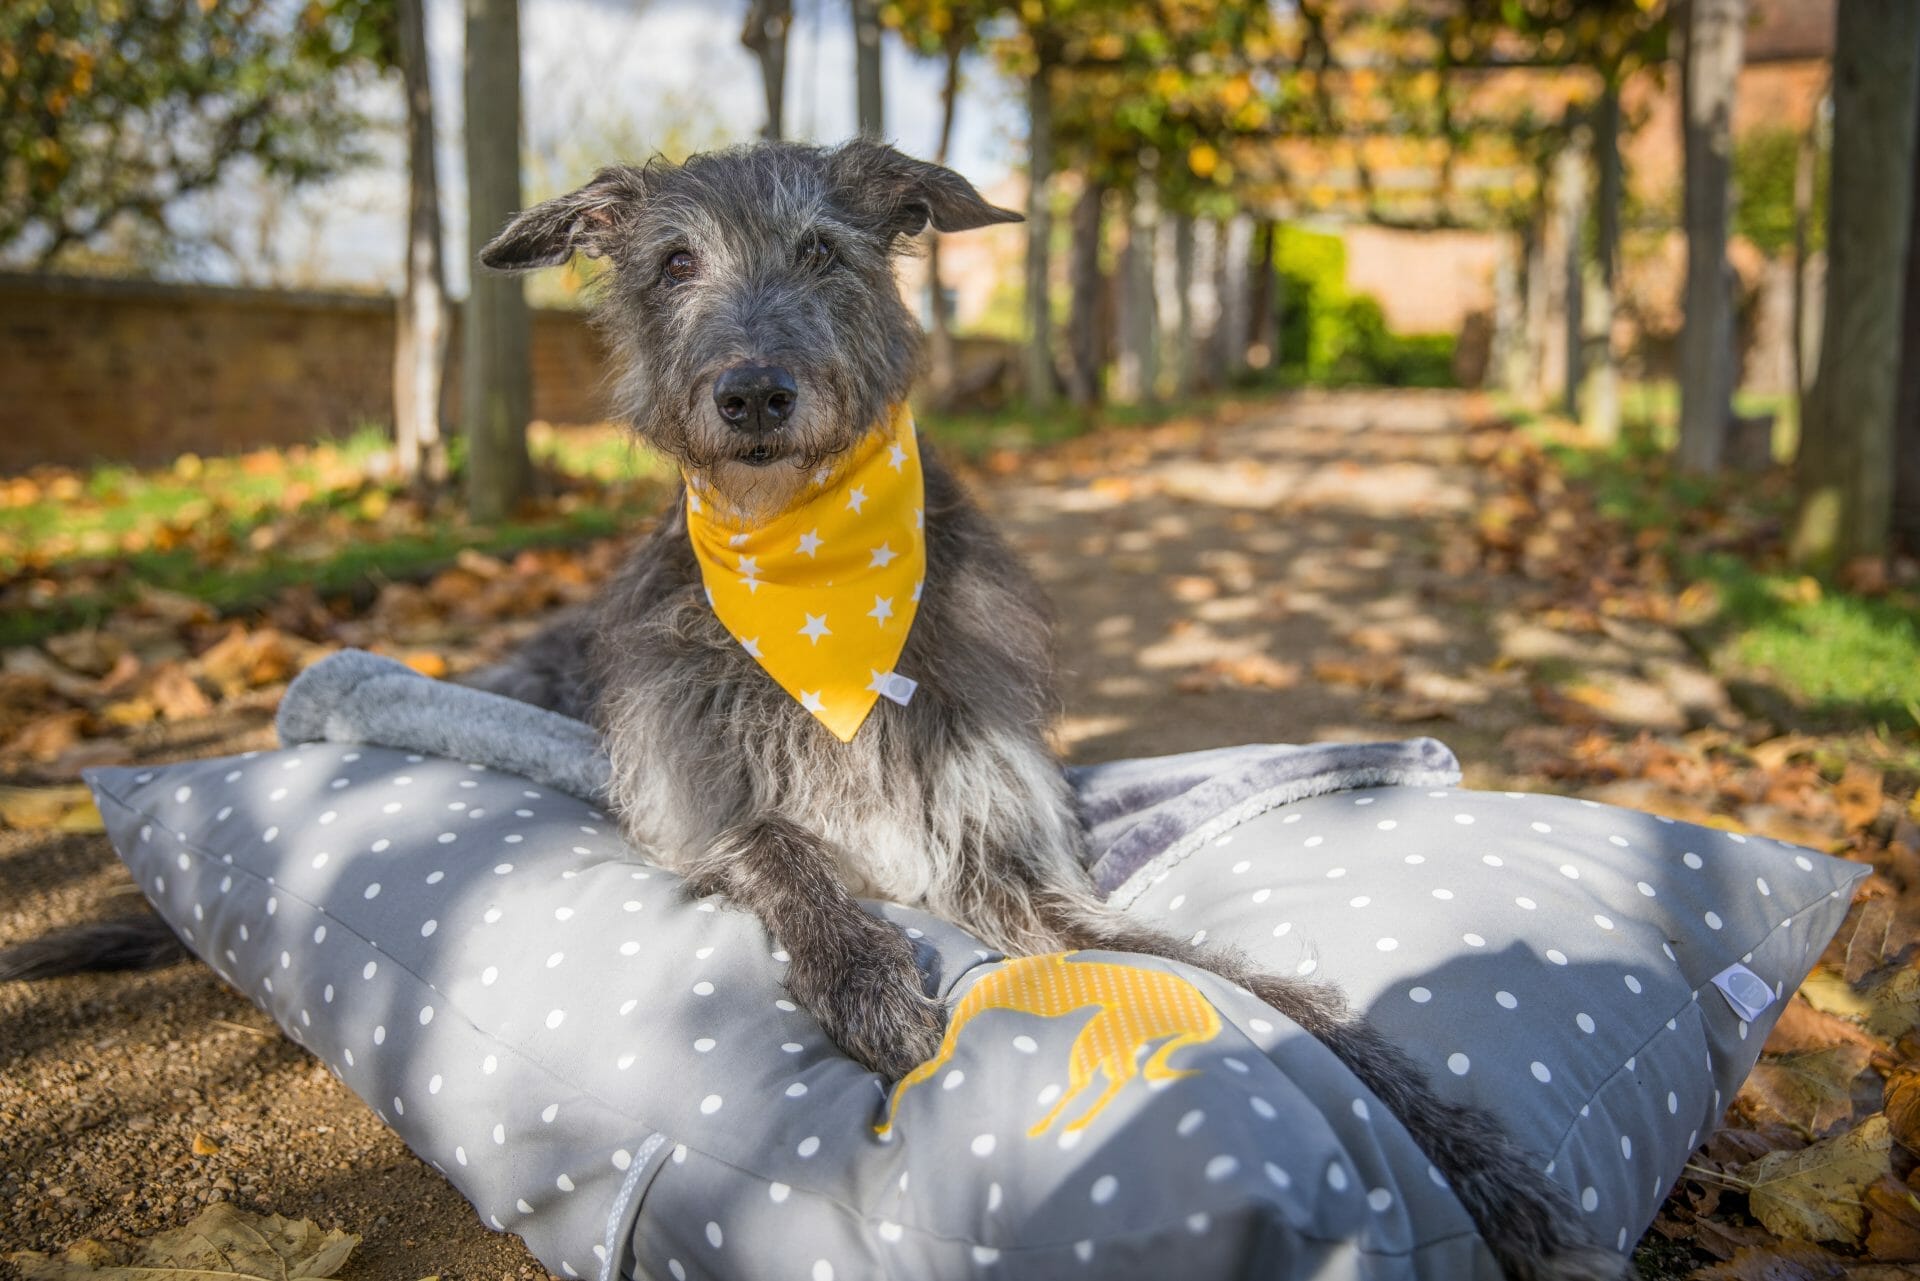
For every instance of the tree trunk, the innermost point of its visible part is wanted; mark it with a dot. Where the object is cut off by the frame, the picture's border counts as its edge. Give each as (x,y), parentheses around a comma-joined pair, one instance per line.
(420,330)
(866,54)
(1803,172)
(1186,372)
(1204,291)
(1845,468)
(496,377)
(1906,428)
(1710,70)
(1602,416)
(1570,212)
(1039,230)
(768,22)
(1083,279)
(1539,292)
(1263,325)
(1135,366)
(940,356)
(1508,358)
(1237,314)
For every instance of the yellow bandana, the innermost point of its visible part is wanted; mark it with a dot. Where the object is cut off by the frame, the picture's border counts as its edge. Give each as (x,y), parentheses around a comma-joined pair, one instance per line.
(823,595)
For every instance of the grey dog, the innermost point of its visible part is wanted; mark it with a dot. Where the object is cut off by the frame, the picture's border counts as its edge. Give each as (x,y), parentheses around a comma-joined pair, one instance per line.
(758,332)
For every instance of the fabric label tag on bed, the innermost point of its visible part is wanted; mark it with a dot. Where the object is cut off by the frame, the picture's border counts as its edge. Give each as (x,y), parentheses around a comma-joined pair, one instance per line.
(1745,991)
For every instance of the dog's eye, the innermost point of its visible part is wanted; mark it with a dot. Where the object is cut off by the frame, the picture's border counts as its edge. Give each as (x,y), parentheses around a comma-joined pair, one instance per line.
(815,252)
(678,267)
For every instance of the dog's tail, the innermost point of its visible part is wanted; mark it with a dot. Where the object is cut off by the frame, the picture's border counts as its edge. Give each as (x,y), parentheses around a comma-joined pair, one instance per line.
(129,943)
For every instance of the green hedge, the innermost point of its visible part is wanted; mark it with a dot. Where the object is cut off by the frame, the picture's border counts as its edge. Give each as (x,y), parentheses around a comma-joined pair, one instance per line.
(1330,335)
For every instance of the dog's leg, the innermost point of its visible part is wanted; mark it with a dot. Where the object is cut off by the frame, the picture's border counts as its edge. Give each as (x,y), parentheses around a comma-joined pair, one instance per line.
(849,969)
(1527,1219)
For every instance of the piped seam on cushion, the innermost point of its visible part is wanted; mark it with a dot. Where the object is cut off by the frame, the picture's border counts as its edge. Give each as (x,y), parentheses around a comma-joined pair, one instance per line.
(647,1127)
(626,1202)
(1693,1000)
(1128,892)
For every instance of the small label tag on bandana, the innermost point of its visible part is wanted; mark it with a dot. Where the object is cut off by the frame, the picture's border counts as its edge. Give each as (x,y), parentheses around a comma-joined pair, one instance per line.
(898,688)
(1745,991)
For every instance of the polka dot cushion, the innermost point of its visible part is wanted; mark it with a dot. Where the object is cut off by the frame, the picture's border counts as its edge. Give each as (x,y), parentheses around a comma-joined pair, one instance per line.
(613,1071)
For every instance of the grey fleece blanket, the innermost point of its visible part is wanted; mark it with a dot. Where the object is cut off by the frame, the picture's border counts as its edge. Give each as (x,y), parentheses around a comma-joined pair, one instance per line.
(1142,816)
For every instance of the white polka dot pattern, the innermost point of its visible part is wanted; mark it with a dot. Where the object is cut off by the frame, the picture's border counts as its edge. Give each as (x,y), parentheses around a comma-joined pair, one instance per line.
(572,1042)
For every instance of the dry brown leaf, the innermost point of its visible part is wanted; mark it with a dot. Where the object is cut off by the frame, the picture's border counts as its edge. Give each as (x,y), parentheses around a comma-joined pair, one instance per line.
(91,652)
(1256,671)
(1787,1261)
(1895,1005)
(1721,1239)
(1409,711)
(244,660)
(1811,1090)
(1776,752)
(1858,794)
(67,808)
(222,1241)
(1817,1193)
(1829,992)
(1369,671)
(45,738)
(177,695)
(1801,1027)
(427,663)
(1561,709)
(1893,1222)
(1903,1106)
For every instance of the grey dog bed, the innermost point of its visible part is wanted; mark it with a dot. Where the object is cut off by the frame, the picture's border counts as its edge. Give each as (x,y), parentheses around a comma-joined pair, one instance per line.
(420,889)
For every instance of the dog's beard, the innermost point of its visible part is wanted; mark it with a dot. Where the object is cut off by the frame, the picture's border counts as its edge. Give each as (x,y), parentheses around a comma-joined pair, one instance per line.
(755,480)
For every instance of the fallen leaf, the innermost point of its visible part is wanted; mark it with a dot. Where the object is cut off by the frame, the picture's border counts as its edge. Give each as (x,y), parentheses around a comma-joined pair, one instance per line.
(1893,1222)
(1874,933)
(1811,1090)
(1903,1106)
(1858,795)
(1789,1261)
(1801,1027)
(1895,1005)
(222,1241)
(1829,992)
(427,663)
(1369,671)
(68,808)
(92,652)
(1256,671)
(47,737)
(1191,589)
(1817,1193)
(1776,752)
(177,695)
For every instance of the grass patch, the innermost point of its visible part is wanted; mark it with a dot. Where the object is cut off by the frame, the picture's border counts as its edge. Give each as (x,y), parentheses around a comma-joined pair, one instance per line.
(1801,649)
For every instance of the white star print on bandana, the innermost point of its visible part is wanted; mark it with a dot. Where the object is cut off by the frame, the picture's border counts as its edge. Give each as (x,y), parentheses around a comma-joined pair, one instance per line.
(823,595)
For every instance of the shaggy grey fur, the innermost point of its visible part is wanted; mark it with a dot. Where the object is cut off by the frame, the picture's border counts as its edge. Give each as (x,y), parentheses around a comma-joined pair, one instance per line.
(779,255)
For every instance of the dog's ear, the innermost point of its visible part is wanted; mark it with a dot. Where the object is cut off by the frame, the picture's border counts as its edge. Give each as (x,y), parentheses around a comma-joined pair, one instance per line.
(582,221)
(903,195)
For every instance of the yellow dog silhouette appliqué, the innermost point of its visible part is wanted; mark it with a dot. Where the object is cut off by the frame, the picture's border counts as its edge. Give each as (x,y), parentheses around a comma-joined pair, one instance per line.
(1137,1007)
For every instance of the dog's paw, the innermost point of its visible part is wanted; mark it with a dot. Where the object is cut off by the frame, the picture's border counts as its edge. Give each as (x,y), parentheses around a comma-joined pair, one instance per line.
(875,1009)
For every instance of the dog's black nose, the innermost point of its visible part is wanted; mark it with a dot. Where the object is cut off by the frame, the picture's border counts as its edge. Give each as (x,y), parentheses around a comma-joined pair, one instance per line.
(756,398)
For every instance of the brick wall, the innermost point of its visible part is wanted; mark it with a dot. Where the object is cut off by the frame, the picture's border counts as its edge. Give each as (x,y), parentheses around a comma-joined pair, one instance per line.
(133,371)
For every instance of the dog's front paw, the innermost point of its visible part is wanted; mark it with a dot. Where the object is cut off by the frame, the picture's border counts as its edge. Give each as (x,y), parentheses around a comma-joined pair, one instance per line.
(874,1008)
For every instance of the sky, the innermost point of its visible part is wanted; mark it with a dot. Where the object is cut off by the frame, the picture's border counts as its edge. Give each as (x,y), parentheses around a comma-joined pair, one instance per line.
(608,81)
